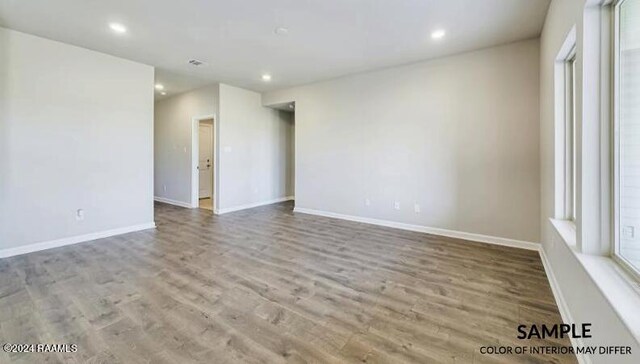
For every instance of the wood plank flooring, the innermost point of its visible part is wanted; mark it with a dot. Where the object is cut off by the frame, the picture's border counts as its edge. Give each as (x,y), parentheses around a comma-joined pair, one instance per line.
(269,286)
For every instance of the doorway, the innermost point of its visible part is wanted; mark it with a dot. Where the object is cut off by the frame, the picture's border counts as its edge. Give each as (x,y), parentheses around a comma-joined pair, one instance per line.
(286,112)
(203,163)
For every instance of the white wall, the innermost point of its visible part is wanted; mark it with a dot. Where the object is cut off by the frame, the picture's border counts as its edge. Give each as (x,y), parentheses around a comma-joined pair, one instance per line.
(584,299)
(76,132)
(456,135)
(254,146)
(173,136)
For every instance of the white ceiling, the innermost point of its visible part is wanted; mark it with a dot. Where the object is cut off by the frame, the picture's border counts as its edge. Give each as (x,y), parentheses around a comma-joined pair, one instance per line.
(326,38)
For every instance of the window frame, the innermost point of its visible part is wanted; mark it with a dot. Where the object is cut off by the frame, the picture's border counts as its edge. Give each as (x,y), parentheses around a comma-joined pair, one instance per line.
(570,142)
(563,135)
(615,153)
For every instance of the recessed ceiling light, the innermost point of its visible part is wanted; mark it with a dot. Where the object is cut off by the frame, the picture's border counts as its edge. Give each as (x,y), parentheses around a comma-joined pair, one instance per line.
(281,31)
(118,28)
(159,86)
(438,34)
(266,77)
(163,93)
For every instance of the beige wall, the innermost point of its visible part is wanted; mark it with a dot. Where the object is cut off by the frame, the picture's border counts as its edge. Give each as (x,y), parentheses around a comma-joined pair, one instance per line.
(456,135)
(76,132)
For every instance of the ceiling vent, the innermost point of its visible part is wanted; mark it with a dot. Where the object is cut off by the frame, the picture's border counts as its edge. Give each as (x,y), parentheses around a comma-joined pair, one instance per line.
(195,62)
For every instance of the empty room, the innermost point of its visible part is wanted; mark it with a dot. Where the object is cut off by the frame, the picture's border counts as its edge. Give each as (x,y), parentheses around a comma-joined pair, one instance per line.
(320,181)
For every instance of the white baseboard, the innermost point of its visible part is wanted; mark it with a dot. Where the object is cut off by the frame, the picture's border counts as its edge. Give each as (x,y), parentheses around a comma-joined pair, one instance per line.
(173,202)
(252,205)
(425,229)
(563,307)
(19,250)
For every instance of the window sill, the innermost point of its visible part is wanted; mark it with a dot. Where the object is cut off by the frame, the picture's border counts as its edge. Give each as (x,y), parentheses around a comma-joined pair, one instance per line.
(620,289)
(567,230)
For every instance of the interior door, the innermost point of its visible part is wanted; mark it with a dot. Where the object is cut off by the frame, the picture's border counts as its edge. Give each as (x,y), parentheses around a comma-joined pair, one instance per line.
(205,160)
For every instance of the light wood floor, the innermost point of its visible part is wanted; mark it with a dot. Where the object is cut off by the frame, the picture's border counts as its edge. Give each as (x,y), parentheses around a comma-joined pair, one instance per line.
(269,286)
(206,203)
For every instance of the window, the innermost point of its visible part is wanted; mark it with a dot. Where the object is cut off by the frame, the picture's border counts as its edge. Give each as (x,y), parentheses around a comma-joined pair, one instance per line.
(570,136)
(565,133)
(627,133)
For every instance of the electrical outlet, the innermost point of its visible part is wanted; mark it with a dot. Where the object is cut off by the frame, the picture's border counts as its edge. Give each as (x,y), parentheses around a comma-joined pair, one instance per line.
(79,214)
(416,208)
(396,205)
(367,202)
